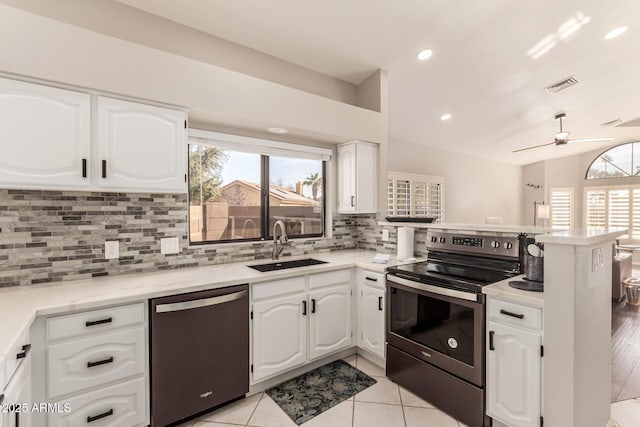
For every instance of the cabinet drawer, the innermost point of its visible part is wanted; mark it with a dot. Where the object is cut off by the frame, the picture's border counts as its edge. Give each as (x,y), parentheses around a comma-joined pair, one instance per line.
(330,278)
(16,355)
(371,278)
(278,287)
(89,322)
(95,360)
(119,405)
(515,314)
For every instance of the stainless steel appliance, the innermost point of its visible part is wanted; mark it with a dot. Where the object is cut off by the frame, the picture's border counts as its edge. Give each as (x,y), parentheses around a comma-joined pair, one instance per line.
(199,352)
(436,320)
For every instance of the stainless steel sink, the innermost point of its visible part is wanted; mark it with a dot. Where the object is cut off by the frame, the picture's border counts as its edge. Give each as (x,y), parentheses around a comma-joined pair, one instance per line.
(282,265)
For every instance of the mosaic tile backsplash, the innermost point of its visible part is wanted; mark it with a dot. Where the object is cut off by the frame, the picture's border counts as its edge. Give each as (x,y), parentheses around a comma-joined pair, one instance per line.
(53,236)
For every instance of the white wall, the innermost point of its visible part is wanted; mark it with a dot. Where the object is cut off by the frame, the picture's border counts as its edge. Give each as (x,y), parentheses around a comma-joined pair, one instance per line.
(532,174)
(475,188)
(44,48)
(115,19)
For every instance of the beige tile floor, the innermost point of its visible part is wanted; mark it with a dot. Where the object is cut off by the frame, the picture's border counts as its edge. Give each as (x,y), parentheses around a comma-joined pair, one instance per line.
(384,404)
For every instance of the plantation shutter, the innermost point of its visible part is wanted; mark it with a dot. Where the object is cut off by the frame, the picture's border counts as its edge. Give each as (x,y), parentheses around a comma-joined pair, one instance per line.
(618,215)
(596,215)
(635,215)
(561,208)
(410,195)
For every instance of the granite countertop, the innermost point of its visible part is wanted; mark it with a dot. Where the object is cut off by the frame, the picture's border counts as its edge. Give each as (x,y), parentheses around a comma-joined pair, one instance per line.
(505,292)
(489,228)
(19,306)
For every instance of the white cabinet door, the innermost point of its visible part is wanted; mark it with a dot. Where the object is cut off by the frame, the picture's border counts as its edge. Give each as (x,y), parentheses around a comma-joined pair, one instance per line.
(45,136)
(357,177)
(279,335)
(371,319)
(513,375)
(330,320)
(18,391)
(140,147)
(347,178)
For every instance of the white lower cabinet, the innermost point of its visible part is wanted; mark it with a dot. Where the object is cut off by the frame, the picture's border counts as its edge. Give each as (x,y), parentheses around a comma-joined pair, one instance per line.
(18,394)
(279,335)
(298,320)
(514,359)
(94,368)
(119,405)
(371,312)
(330,320)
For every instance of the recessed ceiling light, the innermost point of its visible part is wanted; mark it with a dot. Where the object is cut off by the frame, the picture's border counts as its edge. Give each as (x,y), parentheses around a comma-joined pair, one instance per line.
(445,117)
(615,33)
(278,130)
(423,55)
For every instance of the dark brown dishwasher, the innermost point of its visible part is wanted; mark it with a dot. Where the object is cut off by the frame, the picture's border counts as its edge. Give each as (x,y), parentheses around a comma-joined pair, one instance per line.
(199,352)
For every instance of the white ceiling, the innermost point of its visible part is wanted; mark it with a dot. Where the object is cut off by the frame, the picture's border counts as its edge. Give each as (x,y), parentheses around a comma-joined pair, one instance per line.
(480,71)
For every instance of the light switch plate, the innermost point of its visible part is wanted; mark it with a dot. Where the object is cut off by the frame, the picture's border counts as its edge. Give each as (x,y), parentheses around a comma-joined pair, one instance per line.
(111,249)
(385,234)
(169,245)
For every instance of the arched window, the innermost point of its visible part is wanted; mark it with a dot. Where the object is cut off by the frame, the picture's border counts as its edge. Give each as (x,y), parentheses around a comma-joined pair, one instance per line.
(617,162)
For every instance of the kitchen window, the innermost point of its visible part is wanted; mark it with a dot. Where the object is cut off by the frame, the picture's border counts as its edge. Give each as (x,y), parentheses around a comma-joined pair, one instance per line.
(412,195)
(561,208)
(617,206)
(239,187)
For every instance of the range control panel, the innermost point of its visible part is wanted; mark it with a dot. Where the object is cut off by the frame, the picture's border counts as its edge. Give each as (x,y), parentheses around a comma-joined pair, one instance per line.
(485,244)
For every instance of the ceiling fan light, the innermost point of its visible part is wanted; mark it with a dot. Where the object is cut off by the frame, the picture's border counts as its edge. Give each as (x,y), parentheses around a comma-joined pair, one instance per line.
(562,136)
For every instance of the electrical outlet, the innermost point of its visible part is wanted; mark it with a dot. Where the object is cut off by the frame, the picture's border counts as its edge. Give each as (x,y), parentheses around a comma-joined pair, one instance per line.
(169,245)
(111,249)
(597,259)
(385,234)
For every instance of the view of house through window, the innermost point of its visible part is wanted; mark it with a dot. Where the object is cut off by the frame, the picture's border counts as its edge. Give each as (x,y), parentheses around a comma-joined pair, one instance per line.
(226,201)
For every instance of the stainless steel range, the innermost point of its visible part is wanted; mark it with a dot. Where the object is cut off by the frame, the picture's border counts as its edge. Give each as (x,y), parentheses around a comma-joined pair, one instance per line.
(436,320)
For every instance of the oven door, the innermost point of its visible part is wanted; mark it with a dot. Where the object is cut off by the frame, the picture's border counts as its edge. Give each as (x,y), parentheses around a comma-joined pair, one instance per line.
(441,326)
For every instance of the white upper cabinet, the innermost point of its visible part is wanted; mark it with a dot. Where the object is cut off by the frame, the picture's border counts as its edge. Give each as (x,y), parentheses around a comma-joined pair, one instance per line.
(140,147)
(45,136)
(357,177)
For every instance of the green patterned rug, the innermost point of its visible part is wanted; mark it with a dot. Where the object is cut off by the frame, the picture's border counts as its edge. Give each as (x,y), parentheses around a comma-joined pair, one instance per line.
(310,394)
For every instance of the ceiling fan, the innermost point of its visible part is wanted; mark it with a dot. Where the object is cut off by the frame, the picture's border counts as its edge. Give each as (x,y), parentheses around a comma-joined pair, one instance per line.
(562,137)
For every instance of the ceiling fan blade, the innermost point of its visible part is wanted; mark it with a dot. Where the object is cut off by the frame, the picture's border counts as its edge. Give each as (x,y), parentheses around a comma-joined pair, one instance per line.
(535,146)
(591,140)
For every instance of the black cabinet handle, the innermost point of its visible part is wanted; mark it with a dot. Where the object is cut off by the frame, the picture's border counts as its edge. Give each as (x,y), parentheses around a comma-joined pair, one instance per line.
(1,398)
(313,305)
(372,279)
(104,168)
(98,322)
(25,350)
(491,347)
(100,362)
(84,168)
(304,308)
(353,200)
(99,416)
(508,313)
(380,303)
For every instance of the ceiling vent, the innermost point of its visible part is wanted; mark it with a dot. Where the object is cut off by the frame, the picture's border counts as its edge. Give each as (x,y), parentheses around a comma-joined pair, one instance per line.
(562,84)
(611,123)
(631,123)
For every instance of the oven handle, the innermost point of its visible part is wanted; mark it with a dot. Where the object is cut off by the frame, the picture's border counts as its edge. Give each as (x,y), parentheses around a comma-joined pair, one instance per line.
(469,296)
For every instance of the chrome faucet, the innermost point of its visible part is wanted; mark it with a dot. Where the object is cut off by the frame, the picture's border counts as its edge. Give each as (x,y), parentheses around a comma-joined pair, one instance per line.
(283,239)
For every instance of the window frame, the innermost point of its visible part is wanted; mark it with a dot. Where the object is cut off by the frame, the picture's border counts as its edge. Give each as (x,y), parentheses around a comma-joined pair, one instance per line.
(258,146)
